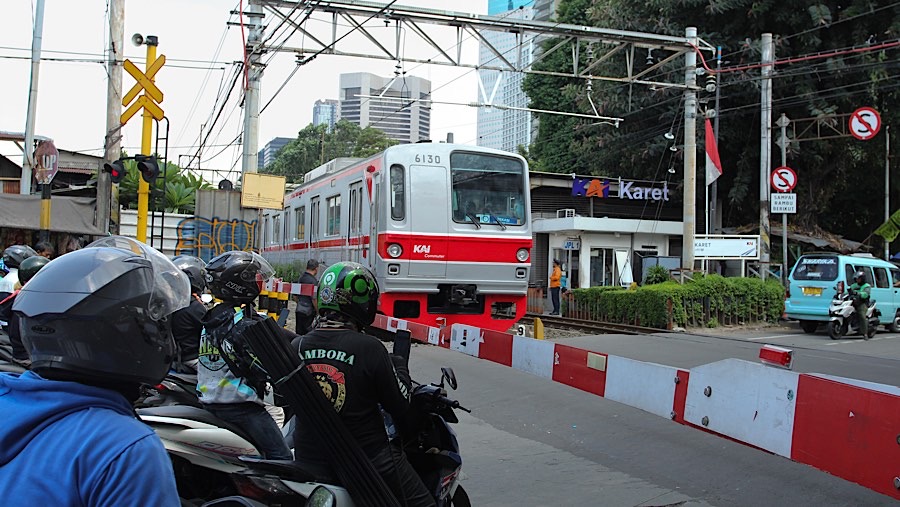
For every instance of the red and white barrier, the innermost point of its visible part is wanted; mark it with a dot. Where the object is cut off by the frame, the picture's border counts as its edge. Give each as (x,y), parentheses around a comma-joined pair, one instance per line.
(845,427)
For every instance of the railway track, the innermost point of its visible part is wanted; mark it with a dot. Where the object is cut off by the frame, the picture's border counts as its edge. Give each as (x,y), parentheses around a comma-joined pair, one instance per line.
(589,326)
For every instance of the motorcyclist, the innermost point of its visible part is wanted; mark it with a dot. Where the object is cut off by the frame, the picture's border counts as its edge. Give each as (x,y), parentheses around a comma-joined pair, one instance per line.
(12,257)
(228,389)
(860,290)
(27,270)
(95,323)
(359,377)
(187,323)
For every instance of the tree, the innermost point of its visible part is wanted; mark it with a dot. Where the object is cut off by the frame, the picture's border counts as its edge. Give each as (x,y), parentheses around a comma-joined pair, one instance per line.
(840,181)
(315,145)
(174,193)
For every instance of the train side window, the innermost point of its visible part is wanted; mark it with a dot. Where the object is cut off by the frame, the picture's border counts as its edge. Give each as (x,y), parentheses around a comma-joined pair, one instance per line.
(276,229)
(398,211)
(314,219)
(333,216)
(265,231)
(300,220)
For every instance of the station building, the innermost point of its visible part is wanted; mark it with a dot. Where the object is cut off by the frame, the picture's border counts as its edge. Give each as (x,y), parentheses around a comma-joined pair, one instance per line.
(603,230)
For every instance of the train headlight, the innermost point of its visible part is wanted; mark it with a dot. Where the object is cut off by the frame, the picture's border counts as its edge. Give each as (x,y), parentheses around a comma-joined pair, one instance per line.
(394,250)
(522,254)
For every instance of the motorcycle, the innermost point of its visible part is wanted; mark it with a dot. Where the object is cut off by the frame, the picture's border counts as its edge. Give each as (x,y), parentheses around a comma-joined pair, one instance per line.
(212,458)
(843,319)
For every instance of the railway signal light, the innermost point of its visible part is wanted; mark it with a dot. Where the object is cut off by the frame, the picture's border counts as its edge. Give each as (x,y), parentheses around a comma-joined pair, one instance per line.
(116,170)
(149,168)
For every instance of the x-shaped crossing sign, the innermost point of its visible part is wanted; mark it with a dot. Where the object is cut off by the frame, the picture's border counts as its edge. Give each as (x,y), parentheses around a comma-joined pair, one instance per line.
(152,94)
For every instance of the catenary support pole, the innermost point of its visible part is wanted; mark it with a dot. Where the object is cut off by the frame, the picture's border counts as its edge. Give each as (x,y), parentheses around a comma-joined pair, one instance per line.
(36,42)
(112,144)
(690,151)
(146,146)
(783,122)
(765,152)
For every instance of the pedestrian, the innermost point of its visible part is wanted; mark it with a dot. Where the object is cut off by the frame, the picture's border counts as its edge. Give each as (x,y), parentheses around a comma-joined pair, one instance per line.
(555,278)
(306,305)
(45,249)
(95,324)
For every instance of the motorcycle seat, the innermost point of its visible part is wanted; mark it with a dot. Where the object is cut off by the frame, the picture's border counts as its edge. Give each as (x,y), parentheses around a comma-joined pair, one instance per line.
(283,468)
(195,414)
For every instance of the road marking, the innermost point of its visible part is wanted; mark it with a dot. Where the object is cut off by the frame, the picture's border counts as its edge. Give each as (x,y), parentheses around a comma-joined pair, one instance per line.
(758,338)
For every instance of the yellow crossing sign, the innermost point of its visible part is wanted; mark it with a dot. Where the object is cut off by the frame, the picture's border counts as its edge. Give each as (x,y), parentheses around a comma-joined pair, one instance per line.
(152,94)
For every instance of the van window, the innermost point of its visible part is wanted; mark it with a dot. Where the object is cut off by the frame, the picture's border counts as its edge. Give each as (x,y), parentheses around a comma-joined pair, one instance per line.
(881,278)
(865,269)
(895,277)
(816,267)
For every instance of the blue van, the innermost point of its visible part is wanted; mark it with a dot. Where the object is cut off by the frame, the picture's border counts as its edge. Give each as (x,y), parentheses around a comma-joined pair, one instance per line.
(816,278)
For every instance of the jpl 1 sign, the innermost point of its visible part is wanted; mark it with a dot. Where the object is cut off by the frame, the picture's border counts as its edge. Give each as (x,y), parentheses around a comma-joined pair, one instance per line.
(783,203)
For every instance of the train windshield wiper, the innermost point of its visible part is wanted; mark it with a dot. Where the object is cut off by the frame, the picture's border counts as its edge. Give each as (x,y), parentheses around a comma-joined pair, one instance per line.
(502,227)
(474,220)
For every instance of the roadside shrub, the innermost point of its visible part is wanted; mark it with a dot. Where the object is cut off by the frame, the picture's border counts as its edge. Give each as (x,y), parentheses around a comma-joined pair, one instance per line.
(656,274)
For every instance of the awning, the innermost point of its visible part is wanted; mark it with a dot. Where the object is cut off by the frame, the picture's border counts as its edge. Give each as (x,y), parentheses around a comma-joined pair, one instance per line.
(74,215)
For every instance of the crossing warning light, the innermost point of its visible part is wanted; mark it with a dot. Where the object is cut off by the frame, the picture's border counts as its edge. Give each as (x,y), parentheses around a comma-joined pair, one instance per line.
(116,170)
(777,356)
(149,168)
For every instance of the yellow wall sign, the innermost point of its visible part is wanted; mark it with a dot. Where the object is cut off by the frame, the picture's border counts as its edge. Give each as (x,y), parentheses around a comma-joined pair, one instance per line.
(262,191)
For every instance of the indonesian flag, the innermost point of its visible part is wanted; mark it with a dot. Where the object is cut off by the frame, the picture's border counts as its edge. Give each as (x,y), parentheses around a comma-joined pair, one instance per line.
(713,164)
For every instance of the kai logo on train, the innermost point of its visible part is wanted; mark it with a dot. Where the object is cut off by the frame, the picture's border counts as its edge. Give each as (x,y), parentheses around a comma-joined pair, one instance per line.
(585,187)
(423,249)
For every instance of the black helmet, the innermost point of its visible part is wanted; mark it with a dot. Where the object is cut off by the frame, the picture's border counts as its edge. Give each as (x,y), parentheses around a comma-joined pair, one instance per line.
(30,267)
(99,315)
(350,289)
(859,277)
(237,276)
(195,269)
(14,255)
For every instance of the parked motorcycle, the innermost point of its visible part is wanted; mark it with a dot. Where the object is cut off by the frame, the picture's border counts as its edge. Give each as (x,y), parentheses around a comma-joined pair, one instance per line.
(843,319)
(212,458)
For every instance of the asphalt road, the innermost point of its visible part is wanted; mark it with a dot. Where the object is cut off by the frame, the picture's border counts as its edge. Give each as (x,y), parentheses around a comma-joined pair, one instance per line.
(533,442)
(875,360)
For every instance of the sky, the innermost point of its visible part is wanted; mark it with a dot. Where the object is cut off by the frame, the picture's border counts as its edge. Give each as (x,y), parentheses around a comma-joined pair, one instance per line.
(199,47)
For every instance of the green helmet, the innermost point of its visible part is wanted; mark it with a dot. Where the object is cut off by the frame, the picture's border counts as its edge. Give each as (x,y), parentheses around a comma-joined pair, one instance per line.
(350,289)
(30,267)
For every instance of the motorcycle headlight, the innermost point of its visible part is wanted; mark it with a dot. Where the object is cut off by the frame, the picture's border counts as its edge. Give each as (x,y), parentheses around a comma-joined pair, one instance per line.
(394,250)
(522,254)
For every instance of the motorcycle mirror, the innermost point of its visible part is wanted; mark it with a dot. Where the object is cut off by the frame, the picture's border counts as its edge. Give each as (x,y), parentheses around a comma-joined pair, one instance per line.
(448,375)
(206,298)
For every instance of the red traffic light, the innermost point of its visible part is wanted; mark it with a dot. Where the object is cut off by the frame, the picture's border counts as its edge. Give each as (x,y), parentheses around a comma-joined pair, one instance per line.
(116,170)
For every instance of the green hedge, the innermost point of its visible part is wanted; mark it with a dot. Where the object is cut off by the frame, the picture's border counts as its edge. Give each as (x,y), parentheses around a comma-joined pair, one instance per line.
(288,272)
(705,301)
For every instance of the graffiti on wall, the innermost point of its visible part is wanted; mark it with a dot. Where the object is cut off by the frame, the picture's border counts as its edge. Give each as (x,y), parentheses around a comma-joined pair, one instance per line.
(209,237)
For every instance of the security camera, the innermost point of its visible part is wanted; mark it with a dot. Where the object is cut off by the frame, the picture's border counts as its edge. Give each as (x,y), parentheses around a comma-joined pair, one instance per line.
(137,39)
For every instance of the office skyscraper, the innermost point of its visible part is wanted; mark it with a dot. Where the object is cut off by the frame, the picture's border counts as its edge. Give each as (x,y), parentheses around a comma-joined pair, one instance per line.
(270,151)
(505,129)
(325,112)
(407,121)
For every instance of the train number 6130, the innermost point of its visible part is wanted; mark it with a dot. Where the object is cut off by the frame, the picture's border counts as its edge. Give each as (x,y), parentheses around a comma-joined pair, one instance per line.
(428,159)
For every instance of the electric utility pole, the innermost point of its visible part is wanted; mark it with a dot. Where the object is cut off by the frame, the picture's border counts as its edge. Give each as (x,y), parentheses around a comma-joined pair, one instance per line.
(690,151)
(36,42)
(253,75)
(112,143)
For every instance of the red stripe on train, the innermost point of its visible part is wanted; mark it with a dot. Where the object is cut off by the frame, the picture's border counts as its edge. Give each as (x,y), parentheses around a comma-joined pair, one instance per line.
(453,248)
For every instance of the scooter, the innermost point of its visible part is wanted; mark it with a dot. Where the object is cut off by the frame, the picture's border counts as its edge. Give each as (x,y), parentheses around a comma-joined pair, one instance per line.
(175,389)
(212,458)
(843,319)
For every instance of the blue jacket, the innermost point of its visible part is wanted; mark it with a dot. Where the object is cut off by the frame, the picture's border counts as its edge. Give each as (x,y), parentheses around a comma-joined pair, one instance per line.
(68,444)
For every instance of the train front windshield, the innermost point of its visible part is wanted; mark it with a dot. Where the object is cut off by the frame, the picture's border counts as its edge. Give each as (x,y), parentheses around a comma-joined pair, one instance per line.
(487,189)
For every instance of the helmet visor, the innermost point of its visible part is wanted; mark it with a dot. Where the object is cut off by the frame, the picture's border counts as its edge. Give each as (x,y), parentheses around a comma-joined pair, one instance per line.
(265,269)
(171,290)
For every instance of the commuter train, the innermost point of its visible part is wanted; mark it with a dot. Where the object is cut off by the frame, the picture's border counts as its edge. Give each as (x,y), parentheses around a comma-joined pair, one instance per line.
(444,227)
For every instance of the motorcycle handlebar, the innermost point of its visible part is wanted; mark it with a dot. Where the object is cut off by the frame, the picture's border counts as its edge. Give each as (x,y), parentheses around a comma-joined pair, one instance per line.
(452,403)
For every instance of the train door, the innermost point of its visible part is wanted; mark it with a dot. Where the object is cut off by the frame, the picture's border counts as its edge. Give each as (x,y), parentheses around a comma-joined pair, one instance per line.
(374,221)
(355,229)
(429,219)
